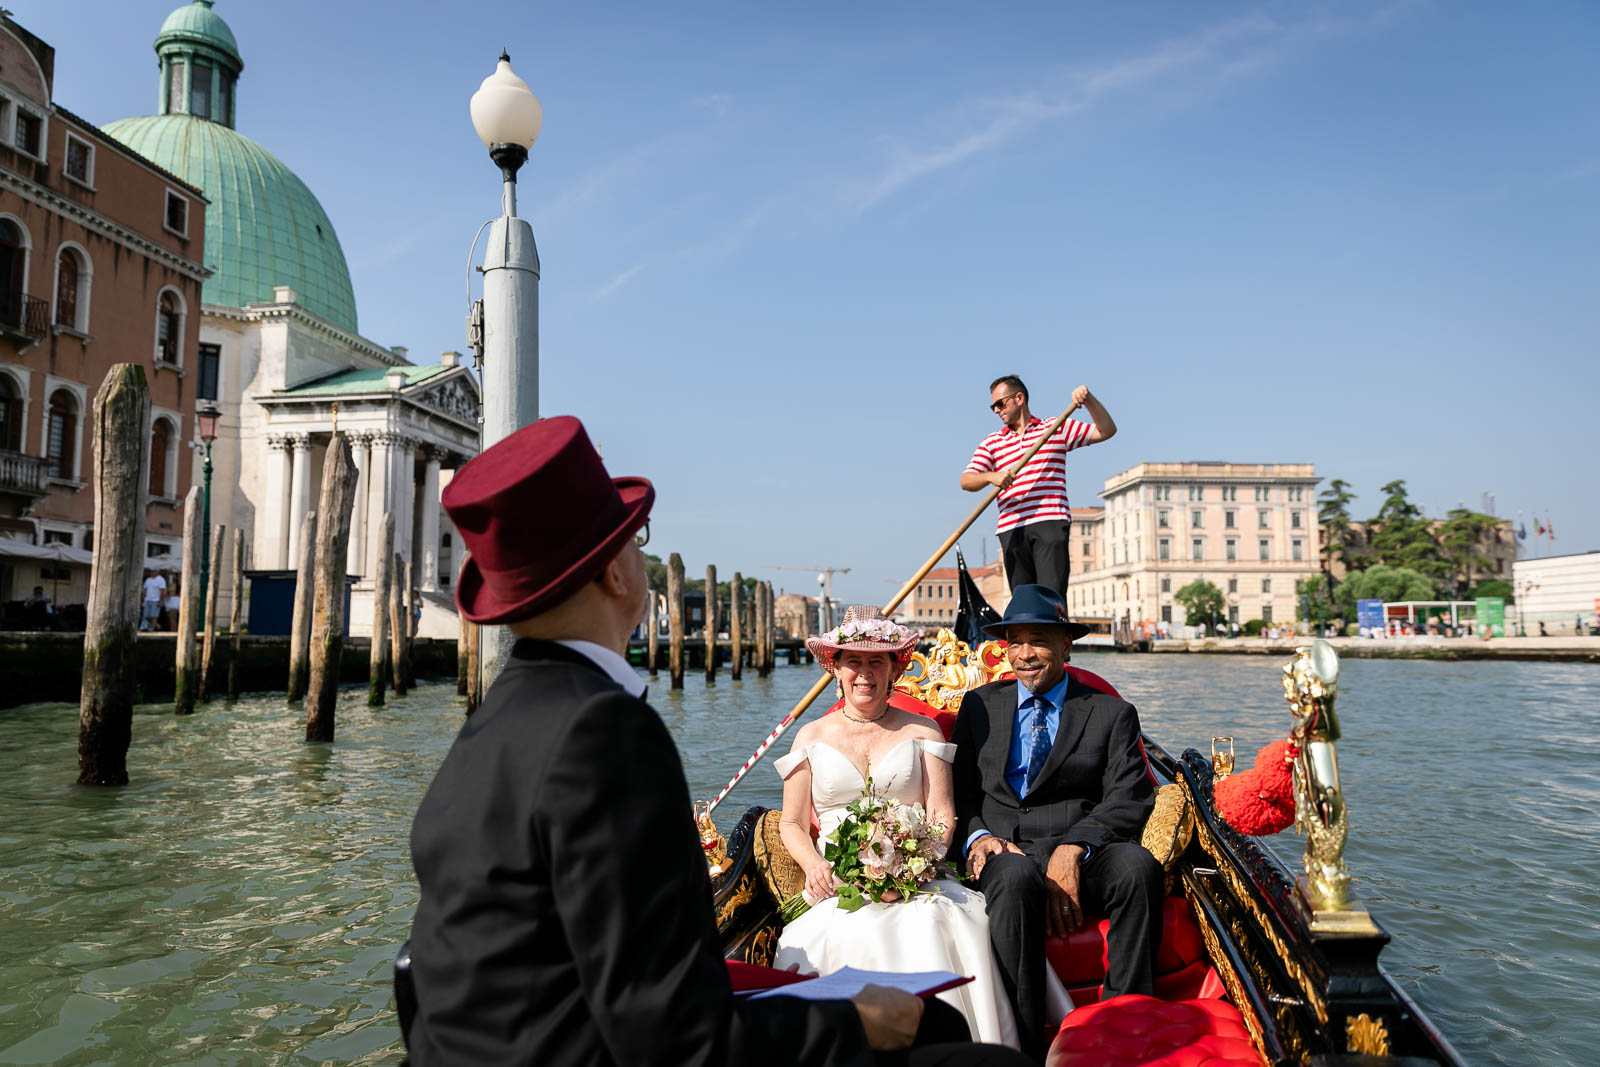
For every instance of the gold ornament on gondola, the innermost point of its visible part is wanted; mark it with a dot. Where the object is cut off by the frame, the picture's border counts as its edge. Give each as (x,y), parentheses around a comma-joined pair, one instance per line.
(950,670)
(1310,684)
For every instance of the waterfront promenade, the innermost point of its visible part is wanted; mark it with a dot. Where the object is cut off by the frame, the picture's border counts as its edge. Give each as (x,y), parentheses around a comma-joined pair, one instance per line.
(1556,649)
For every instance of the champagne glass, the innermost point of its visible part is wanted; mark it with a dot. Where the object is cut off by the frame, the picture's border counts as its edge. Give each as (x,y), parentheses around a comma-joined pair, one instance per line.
(1221,757)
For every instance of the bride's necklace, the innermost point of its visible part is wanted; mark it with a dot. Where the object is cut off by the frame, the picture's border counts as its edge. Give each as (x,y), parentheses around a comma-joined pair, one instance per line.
(876,718)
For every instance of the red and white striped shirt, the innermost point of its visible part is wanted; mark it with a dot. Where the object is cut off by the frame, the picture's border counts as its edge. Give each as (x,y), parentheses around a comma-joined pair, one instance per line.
(1040,489)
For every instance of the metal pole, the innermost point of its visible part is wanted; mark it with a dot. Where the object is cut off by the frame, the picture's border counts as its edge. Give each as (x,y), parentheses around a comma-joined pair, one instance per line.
(510,359)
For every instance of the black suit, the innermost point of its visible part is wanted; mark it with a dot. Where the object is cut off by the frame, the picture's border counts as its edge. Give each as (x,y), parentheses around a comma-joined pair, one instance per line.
(565,914)
(1093,790)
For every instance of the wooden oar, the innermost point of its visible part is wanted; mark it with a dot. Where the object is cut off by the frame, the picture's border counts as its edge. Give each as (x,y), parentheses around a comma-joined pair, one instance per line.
(905,591)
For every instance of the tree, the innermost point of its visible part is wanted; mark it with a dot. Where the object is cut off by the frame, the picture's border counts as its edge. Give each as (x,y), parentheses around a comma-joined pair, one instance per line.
(1383,582)
(1333,513)
(1312,602)
(1202,602)
(1462,537)
(1404,538)
(1493,587)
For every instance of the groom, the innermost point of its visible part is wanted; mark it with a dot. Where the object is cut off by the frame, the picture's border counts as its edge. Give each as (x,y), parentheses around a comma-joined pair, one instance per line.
(1051,793)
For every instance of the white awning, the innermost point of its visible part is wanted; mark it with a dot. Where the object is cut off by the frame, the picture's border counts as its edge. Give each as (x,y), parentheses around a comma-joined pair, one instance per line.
(59,553)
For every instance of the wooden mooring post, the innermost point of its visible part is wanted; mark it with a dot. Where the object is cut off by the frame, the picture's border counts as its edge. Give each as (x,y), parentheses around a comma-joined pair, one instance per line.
(675,619)
(474,671)
(121,482)
(711,624)
(219,538)
(652,638)
(407,661)
(463,637)
(758,619)
(378,672)
(236,615)
(300,626)
(187,681)
(769,631)
(397,626)
(327,619)
(735,629)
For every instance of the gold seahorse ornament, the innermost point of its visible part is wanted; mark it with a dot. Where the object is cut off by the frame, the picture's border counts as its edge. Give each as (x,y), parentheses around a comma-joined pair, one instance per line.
(1310,684)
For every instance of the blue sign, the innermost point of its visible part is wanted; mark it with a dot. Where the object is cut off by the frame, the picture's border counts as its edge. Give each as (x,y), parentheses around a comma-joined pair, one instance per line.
(1369,617)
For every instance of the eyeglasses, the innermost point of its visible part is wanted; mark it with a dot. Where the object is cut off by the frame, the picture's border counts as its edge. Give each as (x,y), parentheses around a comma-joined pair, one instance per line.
(642,538)
(1001,403)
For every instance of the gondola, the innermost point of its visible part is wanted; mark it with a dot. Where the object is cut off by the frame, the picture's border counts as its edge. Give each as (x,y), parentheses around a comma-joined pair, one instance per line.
(1256,965)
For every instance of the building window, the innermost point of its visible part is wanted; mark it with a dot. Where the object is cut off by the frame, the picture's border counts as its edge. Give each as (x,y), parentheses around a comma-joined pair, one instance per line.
(1233,585)
(160,443)
(1163,492)
(1196,517)
(1266,613)
(30,128)
(1264,549)
(1197,492)
(175,88)
(169,328)
(1228,518)
(1298,548)
(177,214)
(61,432)
(1164,548)
(1088,549)
(1266,585)
(1233,614)
(1295,519)
(10,415)
(1297,493)
(200,89)
(1166,613)
(1230,492)
(210,368)
(72,289)
(13,268)
(1197,548)
(224,113)
(1232,547)
(79,162)
(1162,518)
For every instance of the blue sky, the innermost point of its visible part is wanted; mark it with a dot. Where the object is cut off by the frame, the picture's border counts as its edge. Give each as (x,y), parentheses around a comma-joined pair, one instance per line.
(786,247)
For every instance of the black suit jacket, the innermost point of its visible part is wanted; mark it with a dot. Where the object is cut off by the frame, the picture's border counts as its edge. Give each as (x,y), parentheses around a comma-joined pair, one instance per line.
(565,914)
(1094,788)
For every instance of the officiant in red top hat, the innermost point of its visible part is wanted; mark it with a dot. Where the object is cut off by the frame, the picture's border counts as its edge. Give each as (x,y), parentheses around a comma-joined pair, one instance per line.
(565,914)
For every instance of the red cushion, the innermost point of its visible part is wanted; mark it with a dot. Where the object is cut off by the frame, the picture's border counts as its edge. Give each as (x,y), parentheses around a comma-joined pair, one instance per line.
(743,976)
(1131,1029)
(1079,959)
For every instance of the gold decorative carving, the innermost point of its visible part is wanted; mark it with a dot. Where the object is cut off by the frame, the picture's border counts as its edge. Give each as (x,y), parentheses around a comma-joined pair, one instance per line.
(1310,684)
(762,947)
(950,670)
(1230,979)
(1366,1035)
(741,895)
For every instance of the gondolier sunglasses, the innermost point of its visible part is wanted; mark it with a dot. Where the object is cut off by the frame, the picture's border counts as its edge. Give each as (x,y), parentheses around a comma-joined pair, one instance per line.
(998,404)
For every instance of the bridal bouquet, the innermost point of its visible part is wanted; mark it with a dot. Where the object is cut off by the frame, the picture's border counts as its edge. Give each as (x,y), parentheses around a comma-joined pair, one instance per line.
(878,847)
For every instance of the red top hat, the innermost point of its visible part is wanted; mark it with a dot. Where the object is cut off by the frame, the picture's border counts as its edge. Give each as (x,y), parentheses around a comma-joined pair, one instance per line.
(540,517)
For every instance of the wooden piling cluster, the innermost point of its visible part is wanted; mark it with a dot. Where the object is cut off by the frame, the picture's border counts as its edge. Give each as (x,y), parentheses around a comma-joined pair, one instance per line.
(750,624)
(327,616)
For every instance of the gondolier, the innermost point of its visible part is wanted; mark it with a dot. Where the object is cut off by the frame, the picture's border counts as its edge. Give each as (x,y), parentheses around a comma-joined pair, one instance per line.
(1034,516)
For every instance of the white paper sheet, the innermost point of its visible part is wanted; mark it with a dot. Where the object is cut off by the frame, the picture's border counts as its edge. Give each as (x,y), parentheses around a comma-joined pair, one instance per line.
(846,982)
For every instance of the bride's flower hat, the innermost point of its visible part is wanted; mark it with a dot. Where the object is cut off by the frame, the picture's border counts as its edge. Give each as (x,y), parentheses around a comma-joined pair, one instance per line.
(864,629)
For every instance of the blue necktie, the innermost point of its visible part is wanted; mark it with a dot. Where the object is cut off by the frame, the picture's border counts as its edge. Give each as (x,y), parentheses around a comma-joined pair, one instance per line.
(1041,742)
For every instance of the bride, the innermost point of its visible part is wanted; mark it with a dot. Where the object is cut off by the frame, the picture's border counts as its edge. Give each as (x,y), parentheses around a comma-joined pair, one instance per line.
(945,927)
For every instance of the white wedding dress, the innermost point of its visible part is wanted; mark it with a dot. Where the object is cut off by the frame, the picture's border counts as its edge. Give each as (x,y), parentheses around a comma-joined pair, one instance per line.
(944,929)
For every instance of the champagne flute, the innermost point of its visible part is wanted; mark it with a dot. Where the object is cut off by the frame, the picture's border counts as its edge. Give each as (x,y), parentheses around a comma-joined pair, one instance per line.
(1221,757)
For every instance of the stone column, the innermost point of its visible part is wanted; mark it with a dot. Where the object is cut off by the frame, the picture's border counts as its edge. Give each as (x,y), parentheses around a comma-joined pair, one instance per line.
(403,495)
(380,476)
(275,509)
(429,503)
(299,490)
(361,448)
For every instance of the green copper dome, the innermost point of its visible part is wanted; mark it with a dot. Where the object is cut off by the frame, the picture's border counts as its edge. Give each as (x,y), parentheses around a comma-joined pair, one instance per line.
(196,24)
(263,228)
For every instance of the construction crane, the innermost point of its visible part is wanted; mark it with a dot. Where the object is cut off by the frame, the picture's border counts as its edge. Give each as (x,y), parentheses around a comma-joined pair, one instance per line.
(824,581)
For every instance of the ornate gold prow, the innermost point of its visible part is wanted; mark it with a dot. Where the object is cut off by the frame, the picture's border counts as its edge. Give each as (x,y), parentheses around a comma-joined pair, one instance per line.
(1310,684)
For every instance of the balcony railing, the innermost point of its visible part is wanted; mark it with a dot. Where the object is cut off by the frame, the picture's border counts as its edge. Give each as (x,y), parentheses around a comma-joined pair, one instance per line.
(24,315)
(20,473)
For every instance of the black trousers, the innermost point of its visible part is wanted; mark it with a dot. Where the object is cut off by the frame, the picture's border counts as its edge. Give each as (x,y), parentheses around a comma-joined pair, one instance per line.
(944,1040)
(1121,881)
(1037,553)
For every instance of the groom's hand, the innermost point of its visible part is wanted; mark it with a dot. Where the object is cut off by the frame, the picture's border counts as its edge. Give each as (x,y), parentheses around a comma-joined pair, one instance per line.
(1063,910)
(984,847)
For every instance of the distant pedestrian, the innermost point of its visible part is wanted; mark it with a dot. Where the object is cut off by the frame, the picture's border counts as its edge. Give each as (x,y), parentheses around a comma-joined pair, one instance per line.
(1542,631)
(1034,518)
(155,587)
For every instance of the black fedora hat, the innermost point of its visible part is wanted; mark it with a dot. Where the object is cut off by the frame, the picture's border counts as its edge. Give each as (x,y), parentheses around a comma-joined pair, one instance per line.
(1035,605)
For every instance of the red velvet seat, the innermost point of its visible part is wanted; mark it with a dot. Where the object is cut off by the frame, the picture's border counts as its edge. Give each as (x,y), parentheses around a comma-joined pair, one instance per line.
(1129,1030)
(1182,967)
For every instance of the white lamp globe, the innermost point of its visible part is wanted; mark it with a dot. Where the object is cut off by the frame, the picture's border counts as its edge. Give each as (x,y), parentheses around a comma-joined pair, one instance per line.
(504,110)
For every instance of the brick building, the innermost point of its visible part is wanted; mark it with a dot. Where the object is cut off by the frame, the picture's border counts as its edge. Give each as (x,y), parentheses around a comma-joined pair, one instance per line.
(101,262)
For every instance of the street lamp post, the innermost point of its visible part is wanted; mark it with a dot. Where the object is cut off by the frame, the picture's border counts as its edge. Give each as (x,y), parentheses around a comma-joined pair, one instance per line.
(206,416)
(507,117)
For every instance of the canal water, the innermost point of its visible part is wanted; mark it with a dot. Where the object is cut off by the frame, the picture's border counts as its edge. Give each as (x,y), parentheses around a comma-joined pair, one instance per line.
(241,901)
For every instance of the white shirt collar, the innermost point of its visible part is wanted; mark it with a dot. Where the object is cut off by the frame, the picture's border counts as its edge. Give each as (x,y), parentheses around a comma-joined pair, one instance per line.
(614,665)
